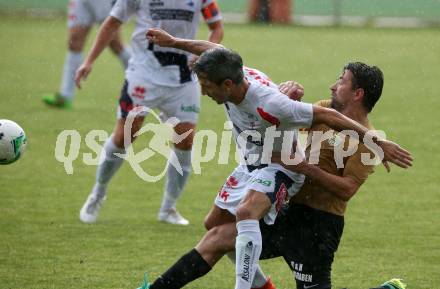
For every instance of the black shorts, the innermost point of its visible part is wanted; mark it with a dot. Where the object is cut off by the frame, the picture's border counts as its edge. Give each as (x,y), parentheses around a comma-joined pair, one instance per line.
(307,239)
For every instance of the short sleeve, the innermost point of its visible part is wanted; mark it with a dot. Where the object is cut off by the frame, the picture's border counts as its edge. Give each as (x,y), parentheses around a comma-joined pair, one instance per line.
(210,11)
(354,167)
(289,112)
(124,9)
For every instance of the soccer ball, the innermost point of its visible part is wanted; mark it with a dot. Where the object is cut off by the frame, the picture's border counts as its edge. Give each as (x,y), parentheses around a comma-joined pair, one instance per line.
(12,141)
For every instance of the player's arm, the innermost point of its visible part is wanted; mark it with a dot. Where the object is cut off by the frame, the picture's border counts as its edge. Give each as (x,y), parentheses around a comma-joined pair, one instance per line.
(106,33)
(211,13)
(216,31)
(342,187)
(339,122)
(162,38)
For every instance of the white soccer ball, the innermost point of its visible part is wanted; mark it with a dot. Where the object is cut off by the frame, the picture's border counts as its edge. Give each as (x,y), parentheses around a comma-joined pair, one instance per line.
(12,141)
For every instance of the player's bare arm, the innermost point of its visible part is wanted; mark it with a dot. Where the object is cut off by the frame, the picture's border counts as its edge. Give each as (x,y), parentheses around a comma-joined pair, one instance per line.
(216,32)
(162,38)
(392,151)
(106,33)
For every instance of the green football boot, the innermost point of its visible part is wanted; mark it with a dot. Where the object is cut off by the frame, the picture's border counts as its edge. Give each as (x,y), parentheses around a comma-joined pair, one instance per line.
(394,284)
(57,100)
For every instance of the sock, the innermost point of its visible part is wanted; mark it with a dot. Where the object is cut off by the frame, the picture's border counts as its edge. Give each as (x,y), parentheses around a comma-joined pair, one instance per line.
(175,182)
(124,56)
(259,279)
(71,64)
(248,249)
(109,164)
(188,268)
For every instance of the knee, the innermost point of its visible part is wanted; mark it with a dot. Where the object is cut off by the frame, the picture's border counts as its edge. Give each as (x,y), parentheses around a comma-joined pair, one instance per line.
(75,43)
(118,139)
(208,222)
(244,212)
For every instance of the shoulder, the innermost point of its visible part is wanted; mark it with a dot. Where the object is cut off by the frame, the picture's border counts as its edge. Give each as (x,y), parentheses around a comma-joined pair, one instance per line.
(324,103)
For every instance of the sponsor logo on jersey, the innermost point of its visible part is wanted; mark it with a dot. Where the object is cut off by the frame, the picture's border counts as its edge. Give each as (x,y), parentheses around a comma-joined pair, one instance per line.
(266,183)
(171,14)
(190,108)
(156,3)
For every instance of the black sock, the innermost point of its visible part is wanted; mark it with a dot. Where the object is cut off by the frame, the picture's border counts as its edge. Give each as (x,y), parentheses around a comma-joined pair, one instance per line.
(188,268)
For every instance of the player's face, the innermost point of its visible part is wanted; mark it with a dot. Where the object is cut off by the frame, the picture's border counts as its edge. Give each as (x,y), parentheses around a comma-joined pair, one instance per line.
(342,91)
(218,93)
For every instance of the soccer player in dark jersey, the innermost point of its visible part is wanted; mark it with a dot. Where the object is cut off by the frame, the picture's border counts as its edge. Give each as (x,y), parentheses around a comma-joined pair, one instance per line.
(199,261)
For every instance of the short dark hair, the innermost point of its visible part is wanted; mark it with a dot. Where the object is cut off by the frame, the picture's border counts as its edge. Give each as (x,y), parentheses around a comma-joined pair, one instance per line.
(219,64)
(370,79)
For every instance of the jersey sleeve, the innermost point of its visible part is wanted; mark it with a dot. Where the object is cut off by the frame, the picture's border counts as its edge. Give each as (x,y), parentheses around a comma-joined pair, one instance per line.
(354,167)
(124,9)
(288,112)
(210,11)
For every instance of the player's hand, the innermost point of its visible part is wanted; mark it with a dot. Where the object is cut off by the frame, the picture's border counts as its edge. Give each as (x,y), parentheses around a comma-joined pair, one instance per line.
(160,37)
(292,89)
(395,154)
(192,61)
(82,73)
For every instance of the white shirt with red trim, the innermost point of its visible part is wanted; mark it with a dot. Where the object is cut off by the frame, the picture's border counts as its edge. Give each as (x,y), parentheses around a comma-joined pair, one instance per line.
(264,107)
(181,18)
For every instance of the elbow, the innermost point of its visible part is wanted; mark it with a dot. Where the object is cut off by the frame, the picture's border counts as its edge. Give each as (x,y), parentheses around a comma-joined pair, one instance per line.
(347,193)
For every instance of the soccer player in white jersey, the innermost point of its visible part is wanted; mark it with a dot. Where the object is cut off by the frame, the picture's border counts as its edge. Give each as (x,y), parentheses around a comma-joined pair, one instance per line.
(82,14)
(156,78)
(257,189)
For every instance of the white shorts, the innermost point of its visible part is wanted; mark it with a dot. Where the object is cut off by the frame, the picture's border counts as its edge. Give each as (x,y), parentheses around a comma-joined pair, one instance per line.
(88,12)
(274,180)
(182,102)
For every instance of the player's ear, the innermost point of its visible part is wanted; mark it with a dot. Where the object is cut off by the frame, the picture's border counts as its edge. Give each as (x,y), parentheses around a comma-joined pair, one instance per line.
(359,93)
(228,83)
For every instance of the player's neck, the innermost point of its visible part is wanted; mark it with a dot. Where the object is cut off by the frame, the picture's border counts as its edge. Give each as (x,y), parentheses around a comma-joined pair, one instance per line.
(356,113)
(239,92)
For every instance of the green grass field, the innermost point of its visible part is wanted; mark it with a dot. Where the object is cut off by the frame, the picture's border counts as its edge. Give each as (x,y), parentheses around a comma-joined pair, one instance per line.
(392,224)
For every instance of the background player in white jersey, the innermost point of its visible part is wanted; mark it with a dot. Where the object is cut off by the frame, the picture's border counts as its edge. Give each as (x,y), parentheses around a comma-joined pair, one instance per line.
(253,106)
(82,14)
(156,78)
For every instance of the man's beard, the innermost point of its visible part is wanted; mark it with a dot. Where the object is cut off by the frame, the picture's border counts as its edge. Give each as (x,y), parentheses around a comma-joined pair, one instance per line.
(335,105)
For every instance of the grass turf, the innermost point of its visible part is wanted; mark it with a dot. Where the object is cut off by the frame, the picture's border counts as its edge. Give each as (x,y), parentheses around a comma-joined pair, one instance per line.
(391,225)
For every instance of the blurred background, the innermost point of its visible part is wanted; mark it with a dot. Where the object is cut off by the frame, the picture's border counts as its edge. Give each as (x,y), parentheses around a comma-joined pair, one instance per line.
(398,13)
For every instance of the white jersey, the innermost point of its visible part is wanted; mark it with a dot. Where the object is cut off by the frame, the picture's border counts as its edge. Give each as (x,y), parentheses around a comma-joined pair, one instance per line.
(263,107)
(88,12)
(161,65)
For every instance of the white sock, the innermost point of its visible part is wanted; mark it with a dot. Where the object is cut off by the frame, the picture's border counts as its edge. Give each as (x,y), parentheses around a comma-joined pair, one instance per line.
(108,167)
(124,56)
(71,64)
(248,249)
(175,182)
(259,278)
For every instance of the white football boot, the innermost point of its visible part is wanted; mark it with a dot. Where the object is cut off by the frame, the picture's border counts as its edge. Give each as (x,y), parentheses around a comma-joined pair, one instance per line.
(90,210)
(173,217)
